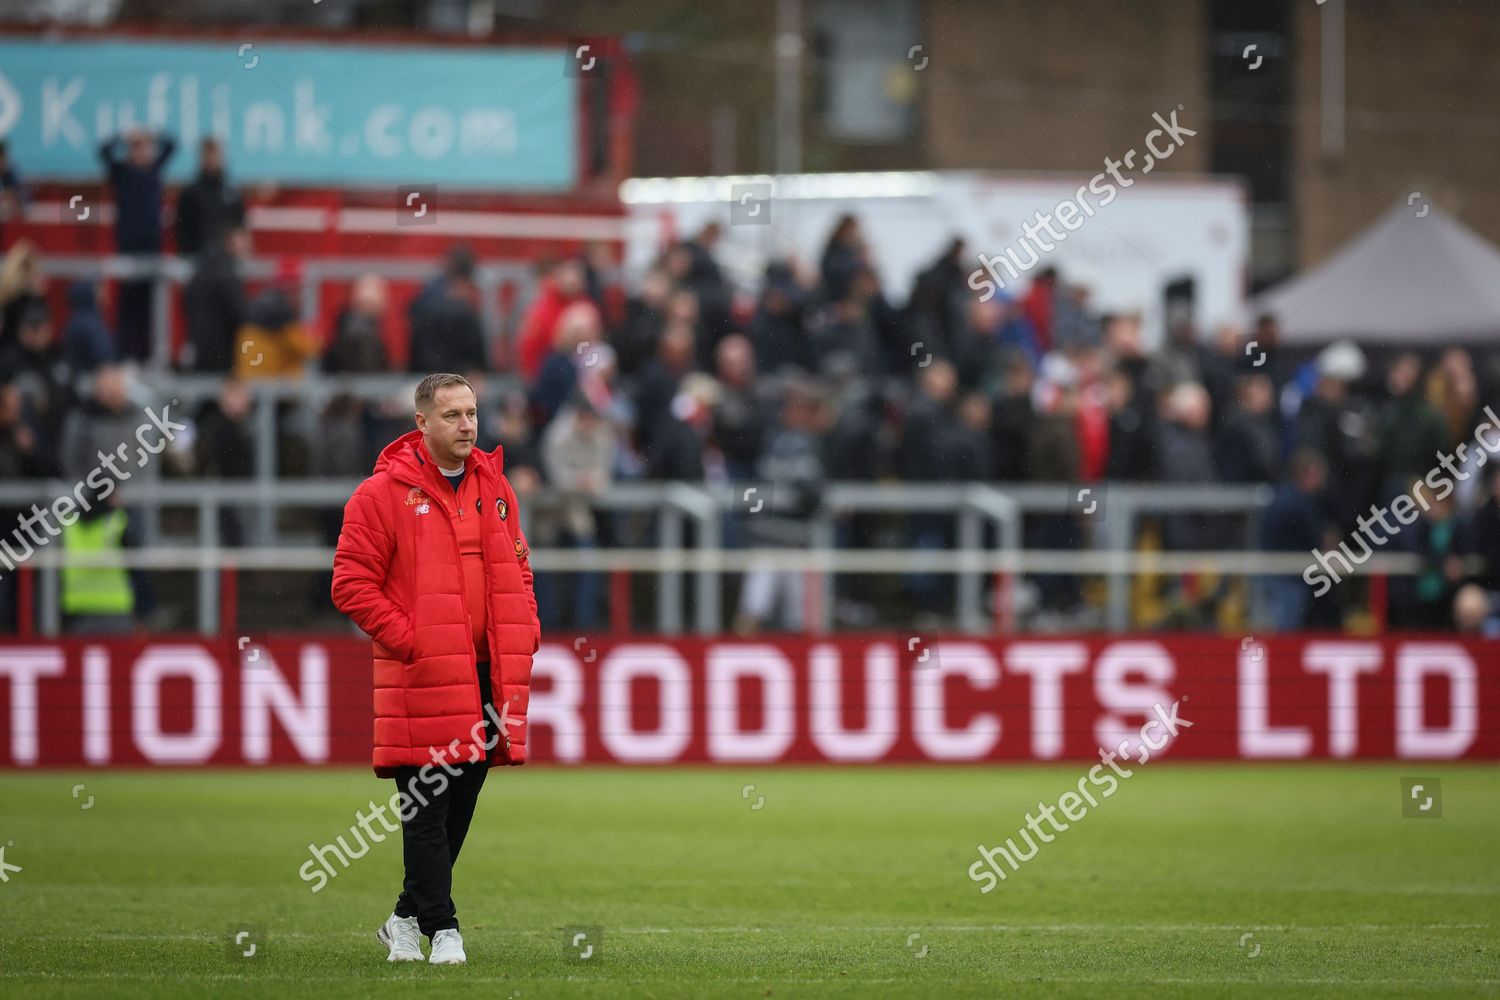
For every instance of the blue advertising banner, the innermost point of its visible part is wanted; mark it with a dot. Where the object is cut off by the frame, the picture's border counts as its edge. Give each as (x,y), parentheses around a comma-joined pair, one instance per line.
(297,113)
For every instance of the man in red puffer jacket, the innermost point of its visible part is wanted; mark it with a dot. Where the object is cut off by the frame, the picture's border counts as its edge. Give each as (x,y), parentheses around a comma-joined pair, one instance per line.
(432,565)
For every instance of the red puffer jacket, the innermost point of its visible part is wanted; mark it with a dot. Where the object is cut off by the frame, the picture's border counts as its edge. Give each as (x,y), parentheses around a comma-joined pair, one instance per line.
(397,574)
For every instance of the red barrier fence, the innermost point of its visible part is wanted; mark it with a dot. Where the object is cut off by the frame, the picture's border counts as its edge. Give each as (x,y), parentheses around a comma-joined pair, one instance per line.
(863,699)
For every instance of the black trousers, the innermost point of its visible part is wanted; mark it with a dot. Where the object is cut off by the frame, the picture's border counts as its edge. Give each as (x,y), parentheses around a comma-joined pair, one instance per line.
(133,319)
(433,836)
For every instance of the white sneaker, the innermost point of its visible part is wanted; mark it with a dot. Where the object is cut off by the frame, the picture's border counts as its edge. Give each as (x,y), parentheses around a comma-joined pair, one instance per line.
(448,948)
(403,937)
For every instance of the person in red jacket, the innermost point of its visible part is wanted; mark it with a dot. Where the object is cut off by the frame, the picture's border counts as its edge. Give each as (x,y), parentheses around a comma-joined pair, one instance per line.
(559,288)
(432,565)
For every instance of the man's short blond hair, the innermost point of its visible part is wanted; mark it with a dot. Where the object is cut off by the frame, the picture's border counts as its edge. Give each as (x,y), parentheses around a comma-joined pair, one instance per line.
(427,389)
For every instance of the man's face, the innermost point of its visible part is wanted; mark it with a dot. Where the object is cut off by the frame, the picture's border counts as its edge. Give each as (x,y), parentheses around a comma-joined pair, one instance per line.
(569,276)
(1256,395)
(450,425)
(36,336)
(140,149)
(109,389)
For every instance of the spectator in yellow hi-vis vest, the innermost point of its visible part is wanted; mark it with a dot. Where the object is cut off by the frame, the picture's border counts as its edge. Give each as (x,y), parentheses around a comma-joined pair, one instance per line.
(97,597)
(272,342)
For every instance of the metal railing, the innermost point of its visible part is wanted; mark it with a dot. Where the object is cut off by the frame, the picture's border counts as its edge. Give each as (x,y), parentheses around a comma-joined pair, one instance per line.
(675,506)
(311,395)
(167,272)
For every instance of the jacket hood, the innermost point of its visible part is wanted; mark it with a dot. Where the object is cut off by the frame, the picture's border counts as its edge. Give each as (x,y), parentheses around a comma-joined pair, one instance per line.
(406,458)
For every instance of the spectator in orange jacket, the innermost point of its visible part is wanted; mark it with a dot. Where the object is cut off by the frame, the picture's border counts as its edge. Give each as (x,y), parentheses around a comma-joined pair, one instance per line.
(273,343)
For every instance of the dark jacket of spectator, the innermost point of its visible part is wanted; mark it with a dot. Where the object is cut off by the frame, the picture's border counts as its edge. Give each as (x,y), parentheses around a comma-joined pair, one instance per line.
(137,195)
(1486,538)
(1011,427)
(654,390)
(341,447)
(849,331)
(977,358)
(207,209)
(1441,541)
(1073,324)
(1132,444)
(777,329)
(22,288)
(34,365)
(13,194)
(1332,429)
(794,464)
(740,429)
(1186,456)
(1291,522)
(841,262)
(706,281)
(357,345)
(892,330)
(925,453)
(852,448)
(98,425)
(1410,434)
(1218,370)
(1249,446)
(991,334)
(224,447)
(675,452)
(87,342)
(635,342)
(939,298)
(511,429)
(447,336)
(554,385)
(18,446)
(214,305)
(968,456)
(1054,448)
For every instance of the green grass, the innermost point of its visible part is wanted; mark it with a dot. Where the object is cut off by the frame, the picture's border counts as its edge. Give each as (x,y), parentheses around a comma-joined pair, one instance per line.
(813,895)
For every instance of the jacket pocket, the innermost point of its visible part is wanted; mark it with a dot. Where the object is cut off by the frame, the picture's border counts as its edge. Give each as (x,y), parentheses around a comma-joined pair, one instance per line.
(403,644)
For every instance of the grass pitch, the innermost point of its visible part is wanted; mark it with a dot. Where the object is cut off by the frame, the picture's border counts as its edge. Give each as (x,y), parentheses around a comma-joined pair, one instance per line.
(1223,880)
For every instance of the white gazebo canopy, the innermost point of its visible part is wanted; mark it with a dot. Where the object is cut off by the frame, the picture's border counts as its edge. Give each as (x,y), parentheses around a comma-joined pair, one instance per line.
(1416,277)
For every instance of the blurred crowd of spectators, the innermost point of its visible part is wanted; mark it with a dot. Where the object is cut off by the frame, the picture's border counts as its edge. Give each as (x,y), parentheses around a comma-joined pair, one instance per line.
(813,376)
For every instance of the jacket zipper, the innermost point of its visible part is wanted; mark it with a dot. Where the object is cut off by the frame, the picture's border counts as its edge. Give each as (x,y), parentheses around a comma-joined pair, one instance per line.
(485,566)
(464,590)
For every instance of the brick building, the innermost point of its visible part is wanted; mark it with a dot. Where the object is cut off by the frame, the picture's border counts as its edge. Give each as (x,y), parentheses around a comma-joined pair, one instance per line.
(1332,109)
(1060,84)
